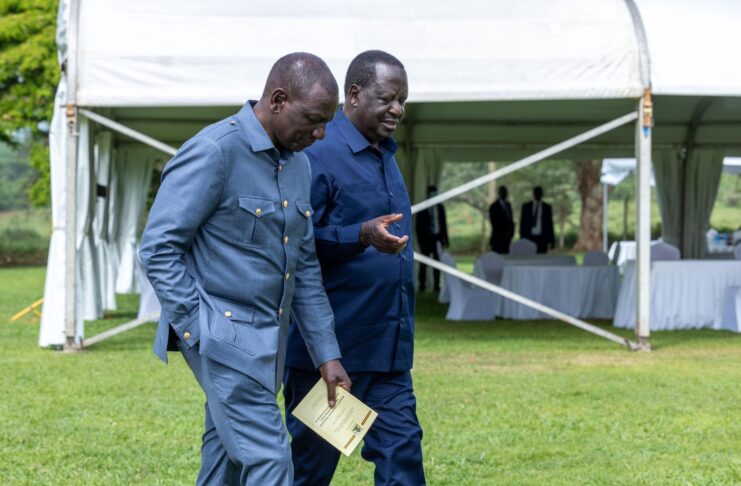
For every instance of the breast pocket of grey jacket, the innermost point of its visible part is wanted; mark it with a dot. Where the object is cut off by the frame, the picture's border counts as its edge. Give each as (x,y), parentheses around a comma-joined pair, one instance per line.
(252,220)
(304,221)
(232,322)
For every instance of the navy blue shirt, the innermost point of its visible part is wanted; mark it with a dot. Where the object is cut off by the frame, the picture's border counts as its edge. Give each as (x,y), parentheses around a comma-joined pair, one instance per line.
(371,293)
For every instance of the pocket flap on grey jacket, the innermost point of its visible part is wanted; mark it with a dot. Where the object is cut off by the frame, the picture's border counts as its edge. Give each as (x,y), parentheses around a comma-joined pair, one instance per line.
(304,207)
(233,310)
(256,205)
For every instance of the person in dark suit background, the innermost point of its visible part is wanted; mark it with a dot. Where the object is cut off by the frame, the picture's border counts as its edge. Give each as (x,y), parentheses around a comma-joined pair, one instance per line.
(536,222)
(502,225)
(431,228)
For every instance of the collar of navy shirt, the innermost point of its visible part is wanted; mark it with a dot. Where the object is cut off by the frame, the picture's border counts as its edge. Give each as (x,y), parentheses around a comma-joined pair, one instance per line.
(357,140)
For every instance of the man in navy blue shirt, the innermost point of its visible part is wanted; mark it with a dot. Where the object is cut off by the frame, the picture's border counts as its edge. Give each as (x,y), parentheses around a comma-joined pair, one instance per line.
(362,226)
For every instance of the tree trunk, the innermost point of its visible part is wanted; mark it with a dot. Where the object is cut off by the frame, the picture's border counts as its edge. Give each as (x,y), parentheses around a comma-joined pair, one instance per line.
(590,190)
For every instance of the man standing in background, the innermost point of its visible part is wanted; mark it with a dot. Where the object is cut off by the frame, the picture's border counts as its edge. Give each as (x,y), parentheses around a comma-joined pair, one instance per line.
(502,225)
(362,224)
(536,222)
(431,229)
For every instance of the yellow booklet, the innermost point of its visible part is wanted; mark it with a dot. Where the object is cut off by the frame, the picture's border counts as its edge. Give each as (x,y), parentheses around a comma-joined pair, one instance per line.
(344,425)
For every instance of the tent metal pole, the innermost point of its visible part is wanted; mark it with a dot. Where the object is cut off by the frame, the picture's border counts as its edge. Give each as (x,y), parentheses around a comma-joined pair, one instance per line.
(644,126)
(522,163)
(121,329)
(129,132)
(70,212)
(632,346)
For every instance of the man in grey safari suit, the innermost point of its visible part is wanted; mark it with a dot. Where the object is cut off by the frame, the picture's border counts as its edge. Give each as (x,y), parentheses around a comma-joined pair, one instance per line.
(229,250)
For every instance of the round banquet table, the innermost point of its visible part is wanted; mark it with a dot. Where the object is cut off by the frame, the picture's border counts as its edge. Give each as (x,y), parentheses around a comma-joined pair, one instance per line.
(685,294)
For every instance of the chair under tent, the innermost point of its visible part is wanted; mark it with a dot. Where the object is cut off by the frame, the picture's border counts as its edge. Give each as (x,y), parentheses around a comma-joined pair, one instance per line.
(587,84)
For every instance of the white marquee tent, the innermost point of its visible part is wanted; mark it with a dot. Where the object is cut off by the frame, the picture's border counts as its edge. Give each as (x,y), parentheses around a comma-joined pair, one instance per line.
(489,80)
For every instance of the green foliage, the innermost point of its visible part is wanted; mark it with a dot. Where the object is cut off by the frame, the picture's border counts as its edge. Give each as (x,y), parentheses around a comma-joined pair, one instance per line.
(15,178)
(520,403)
(40,192)
(29,70)
(22,246)
(24,237)
(29,73)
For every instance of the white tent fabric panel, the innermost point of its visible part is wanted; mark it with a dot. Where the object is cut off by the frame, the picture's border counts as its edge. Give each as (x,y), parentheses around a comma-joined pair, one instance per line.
(133,174)
(88,272)
(51,331)
(453,51)
(103,152)
(114,254)
(702,179)
(686,192)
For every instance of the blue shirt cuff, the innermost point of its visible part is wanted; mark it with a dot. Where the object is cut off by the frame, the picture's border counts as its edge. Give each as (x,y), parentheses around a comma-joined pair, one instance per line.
(349,234)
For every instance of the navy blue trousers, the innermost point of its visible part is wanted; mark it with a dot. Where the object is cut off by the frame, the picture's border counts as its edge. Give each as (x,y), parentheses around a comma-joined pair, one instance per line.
(393,443)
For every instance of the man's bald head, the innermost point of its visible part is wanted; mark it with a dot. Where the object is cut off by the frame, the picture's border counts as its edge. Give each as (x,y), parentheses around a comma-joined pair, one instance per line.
(299,99)
(297,73)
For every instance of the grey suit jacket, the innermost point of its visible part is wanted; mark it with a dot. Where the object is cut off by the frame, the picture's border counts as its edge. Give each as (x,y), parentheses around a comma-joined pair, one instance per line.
(229,250)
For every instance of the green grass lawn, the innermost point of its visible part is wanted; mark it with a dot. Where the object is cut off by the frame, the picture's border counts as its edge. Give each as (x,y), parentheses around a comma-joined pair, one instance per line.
(534,403)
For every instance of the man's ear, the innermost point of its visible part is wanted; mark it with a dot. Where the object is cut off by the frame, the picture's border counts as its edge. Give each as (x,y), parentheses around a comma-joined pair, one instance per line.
(352,95)
(278,99)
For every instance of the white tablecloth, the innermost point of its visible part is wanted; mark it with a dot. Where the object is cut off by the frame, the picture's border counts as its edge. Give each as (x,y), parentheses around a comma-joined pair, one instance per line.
(576,291)
(687,294)
(555,260)
(540,260)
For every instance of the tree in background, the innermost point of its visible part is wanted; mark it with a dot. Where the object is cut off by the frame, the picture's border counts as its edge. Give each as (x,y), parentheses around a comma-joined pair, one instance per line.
(592,211)
(29,73)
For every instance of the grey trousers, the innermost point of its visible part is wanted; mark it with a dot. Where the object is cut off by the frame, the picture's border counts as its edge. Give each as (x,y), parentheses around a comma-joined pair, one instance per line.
(245,440)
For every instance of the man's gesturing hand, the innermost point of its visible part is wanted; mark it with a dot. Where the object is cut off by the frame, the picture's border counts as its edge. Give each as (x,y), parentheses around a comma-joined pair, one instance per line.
(334,375)
(375,234)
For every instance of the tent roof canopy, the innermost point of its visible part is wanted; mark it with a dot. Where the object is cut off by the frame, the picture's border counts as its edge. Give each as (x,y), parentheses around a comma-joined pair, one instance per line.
(187,52)
(488,79)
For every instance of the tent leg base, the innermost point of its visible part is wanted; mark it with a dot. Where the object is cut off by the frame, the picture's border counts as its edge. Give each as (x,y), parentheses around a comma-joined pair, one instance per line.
(643,345)
(71,346)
